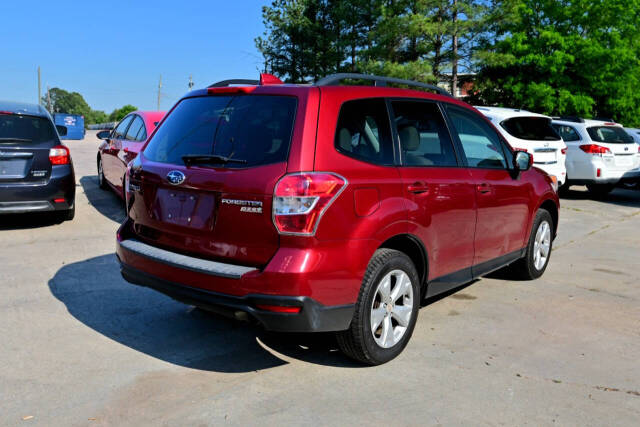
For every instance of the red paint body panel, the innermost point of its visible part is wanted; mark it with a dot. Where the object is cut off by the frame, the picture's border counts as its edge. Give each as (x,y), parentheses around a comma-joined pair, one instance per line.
(455,220)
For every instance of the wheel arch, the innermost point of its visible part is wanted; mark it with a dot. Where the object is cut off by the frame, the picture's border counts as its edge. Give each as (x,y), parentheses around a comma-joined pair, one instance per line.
(412,247)
(552,207)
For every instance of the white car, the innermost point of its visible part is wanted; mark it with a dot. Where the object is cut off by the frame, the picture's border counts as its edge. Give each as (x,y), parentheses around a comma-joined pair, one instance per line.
(635,134)
(600,154)
(531,132)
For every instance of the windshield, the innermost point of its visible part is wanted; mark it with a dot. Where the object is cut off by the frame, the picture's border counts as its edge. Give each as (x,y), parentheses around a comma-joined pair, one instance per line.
(19,128)
(610,134)
(531,128)
(252,128)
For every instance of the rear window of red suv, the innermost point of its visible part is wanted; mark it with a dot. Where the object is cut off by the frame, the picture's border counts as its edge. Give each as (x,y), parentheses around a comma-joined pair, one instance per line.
(254,128)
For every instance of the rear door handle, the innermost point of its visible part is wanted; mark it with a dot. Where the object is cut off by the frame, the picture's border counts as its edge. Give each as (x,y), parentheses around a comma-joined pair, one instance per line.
(484,188)
(418,188)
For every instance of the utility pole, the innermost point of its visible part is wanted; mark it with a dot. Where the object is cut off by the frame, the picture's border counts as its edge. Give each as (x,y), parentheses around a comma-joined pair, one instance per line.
(454,56)
(191,82)
(49,100)
(159,91)
(39,87)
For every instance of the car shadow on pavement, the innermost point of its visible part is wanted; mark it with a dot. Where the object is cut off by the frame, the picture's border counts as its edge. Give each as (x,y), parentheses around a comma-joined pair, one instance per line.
(95,294)
(29,220)
(104,201)
(619,196)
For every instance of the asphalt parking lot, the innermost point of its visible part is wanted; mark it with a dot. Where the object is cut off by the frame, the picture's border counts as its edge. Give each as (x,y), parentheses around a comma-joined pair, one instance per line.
(80,346)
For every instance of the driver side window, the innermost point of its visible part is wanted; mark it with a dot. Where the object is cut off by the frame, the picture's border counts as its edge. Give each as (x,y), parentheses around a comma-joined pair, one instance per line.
(120,130)
(481,144)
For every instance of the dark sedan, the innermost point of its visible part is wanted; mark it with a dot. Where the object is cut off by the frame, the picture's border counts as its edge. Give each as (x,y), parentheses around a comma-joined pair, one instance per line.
(36,171)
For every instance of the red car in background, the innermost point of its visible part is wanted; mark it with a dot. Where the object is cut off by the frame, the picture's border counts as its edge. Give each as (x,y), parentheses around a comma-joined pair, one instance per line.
(121,145)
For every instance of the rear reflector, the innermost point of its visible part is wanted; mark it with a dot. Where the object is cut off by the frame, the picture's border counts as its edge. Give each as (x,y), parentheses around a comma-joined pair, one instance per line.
(279,308)
(598,172)
(59,200)
(563,150)
(59,155)
(301,199)
(595,149)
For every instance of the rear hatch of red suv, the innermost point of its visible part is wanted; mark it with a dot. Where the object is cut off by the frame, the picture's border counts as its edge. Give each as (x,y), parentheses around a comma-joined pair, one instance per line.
(203,186)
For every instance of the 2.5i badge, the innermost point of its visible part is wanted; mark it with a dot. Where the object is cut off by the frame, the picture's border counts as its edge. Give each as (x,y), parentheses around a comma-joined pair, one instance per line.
(250,206)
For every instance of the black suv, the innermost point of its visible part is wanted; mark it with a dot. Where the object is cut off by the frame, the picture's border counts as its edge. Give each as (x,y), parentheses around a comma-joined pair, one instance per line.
(36,172)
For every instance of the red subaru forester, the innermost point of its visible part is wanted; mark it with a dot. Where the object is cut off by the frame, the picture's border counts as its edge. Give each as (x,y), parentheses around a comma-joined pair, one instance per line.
(330,208)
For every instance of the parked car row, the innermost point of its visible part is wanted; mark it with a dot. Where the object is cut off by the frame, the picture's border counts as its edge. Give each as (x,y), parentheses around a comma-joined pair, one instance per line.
(597,153)
(324,207)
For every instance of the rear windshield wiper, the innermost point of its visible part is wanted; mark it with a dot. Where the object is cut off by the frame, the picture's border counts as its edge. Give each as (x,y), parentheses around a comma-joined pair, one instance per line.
(199,159)
(15,139)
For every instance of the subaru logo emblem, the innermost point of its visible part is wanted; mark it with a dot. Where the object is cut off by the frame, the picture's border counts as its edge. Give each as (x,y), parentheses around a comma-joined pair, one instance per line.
(626,148)
(175,177)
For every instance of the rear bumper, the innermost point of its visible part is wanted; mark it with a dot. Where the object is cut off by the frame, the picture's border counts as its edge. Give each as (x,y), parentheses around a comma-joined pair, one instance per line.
(21,197)
(323,280)
(312,317)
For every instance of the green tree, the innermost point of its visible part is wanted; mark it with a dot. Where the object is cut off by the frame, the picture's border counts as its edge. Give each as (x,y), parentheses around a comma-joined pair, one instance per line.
(63,101)
(66,102)
(567,57)
(119,113)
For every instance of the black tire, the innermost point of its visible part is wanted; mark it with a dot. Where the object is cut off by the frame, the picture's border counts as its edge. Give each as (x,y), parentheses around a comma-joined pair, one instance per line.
(102,183)
(358,341)
(525,268)
(600,190)
(563,191)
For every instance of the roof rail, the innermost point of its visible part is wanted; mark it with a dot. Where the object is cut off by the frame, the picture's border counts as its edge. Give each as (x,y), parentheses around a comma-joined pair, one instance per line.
(265,80)
(570,119)
(334,79)
(603,119)
(225,83)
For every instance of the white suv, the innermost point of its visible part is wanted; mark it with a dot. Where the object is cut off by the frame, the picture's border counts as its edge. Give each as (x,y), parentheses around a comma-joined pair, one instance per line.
(531,132)
(600,154)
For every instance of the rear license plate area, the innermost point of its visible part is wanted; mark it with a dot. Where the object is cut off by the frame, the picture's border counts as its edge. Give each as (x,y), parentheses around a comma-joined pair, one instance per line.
(14,168)
(184,208)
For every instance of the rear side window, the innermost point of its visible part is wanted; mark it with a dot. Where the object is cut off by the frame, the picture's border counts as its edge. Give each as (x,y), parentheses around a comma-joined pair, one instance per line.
(19,128)
(531,128)
(609,134)
(481,144)
(363,131)
(253,128)
(424,137)
(567,133)
(119,131)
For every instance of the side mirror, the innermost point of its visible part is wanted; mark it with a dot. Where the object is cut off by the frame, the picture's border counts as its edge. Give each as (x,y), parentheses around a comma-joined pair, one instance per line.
(103,134)
(62,130)
(522,160)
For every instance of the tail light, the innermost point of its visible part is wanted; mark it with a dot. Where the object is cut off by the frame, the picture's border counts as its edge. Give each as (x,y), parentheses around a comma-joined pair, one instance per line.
(301,199)
(59,155)
(595,149)
(563,150)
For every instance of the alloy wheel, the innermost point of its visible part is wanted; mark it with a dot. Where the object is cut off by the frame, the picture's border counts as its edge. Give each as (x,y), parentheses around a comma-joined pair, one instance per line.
(542,245)
(392,308)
